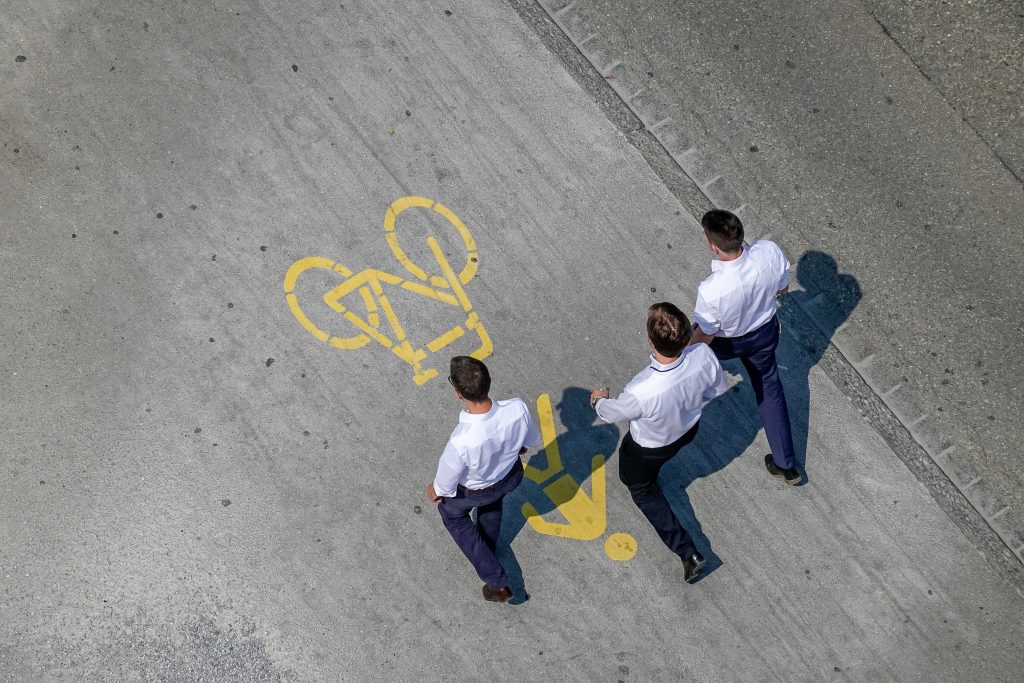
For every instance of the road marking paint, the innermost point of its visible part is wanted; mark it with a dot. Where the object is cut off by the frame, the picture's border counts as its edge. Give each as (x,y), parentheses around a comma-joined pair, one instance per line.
(620,547)
(586,516)
(369,284)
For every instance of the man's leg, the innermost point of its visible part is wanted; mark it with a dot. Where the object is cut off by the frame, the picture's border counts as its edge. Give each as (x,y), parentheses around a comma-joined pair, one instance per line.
(640,475)
(455,516)
(488,512)
(488,522)
(771,402)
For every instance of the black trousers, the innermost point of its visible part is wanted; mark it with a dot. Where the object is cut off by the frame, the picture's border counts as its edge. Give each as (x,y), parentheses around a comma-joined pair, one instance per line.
(638,470)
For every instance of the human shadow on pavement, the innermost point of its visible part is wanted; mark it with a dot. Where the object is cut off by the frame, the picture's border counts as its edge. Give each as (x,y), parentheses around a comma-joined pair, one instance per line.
(727,427)
(584,437)
(730,423)
(818,274)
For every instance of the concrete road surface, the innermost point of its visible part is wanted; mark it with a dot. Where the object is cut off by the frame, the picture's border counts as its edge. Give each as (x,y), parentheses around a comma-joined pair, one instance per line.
(224,359)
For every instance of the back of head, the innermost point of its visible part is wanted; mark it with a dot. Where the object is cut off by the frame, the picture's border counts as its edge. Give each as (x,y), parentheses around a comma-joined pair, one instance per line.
(668,328)
(723,229)
(470,378)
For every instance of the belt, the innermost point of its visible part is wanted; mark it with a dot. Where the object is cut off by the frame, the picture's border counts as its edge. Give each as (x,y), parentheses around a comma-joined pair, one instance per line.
(517,467)
(773,321)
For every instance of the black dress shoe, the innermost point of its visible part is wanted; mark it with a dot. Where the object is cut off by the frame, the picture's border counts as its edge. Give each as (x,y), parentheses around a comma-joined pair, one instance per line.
(792,475)
(692,567)
(497,594)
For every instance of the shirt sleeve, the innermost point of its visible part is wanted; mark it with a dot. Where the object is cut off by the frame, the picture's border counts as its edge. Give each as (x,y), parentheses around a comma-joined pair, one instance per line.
(706,317)
(717,386)
(449,471)
(625,406)
(532,433)
(784,264)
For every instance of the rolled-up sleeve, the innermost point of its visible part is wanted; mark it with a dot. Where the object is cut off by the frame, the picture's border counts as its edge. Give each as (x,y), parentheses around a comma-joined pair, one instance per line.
(783,265)
(450,469)
(716,387)
(625,406)
(532,438)
(706,317)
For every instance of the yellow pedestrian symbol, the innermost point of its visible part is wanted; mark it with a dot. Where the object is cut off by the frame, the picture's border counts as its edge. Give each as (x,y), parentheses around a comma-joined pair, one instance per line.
(585,516)
(439,282)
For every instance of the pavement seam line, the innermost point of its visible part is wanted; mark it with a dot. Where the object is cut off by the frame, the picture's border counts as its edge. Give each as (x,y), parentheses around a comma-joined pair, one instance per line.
(722,194)
(938,89)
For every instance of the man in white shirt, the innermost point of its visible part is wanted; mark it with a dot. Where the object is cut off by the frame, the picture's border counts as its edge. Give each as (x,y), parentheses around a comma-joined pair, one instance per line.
(479,466)
(735,316)
(663,405)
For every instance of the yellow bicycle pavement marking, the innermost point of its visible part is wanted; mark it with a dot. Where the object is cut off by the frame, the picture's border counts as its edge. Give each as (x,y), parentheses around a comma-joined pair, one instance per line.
(441,283)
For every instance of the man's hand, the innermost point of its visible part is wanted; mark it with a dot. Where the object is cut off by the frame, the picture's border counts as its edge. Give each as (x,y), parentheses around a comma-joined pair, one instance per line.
(596,394)
(700,337)
(431,495)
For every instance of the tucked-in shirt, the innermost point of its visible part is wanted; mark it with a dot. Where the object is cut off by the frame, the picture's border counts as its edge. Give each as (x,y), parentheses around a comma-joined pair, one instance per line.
(664,401)
(484,447)
(739,295)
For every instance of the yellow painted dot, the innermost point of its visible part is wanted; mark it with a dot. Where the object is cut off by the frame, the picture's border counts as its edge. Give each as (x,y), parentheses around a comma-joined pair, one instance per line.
(620,547)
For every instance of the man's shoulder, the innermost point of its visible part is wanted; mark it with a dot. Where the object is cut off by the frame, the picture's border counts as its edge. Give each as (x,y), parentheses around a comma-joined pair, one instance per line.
(512,408)
(701,354)
(717,284)
(767,249)
(512,403)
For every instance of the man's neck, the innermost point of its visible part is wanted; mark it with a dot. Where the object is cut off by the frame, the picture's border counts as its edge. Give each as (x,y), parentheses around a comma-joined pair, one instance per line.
(478,407)
(725,256)
(665,360)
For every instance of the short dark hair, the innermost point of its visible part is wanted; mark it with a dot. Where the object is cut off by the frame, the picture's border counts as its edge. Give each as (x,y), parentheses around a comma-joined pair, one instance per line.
(470,378)
(724,230)
(668,329)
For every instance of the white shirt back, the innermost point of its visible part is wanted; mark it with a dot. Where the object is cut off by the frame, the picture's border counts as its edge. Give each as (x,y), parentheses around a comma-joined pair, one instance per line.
(483,448)
(663,402)
(739,295)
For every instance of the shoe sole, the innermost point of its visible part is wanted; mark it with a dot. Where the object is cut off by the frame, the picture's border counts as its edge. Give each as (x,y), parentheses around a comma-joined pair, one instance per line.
(780,475)
(697,571)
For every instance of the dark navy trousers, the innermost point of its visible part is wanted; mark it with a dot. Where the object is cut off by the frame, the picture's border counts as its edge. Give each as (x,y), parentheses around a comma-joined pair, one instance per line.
(479,541)
(756,350)
(638,470)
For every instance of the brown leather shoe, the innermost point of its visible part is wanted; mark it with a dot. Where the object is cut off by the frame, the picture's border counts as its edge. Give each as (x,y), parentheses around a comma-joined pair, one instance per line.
(497,594)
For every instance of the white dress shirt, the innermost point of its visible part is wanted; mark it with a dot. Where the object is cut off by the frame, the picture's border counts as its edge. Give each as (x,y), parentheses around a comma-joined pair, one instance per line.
(484,447)
(739,295)
(664,401)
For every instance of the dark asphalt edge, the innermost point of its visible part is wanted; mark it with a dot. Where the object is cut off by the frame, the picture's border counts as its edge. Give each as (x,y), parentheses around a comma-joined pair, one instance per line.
(860,370)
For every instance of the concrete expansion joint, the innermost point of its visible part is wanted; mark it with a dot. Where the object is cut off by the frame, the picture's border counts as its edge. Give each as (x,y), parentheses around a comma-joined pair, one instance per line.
(917,421)
(705,185)
(1000,512)
(867,361)
(608,69)
(720,193)
(560,12)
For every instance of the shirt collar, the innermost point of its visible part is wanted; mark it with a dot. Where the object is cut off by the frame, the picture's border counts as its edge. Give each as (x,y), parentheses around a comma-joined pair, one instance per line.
(466,416)
(718,265)
(660,367)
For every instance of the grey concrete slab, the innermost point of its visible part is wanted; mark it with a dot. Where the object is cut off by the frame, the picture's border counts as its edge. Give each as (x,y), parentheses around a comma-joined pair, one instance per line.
(194,487)
(974,53)
(842,143)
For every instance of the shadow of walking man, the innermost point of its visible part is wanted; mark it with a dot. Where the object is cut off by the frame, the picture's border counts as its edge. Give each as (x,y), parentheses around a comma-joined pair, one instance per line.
(730,424)
(810,319)
(572,467)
